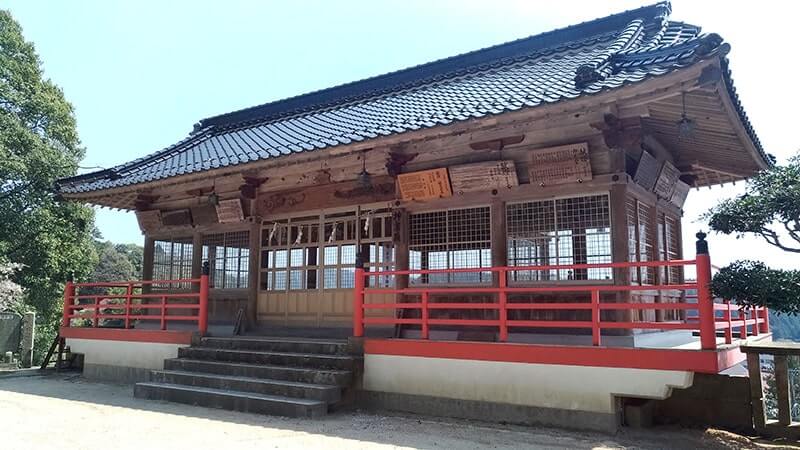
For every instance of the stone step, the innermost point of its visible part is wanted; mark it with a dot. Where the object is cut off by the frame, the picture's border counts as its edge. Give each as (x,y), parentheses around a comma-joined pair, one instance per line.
(325,393)
(232,400)
(273,358)
(339,378)
(270,344)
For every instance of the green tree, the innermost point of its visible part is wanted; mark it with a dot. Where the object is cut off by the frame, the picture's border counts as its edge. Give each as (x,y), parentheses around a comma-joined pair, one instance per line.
(769,208)
(38,145)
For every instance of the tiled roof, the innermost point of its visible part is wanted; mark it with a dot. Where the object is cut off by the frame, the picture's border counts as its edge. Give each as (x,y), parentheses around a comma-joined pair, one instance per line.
(559,65)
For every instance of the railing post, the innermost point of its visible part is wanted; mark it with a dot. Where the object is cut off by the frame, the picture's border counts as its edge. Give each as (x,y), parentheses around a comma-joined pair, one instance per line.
(128,294)
(783,390)
(425,329)
(596,318)
(705,302)
(765,326)
(358,298)
(163,312)
(69,295)
(726,316)
(756,390)
(502,299)
(202,319)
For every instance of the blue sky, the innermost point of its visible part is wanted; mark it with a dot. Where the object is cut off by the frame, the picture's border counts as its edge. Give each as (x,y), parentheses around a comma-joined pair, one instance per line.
(140,73)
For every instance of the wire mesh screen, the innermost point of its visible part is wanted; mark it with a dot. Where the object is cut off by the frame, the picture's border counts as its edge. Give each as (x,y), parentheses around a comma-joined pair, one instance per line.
(452,239)
(672,236)
(228,256)
(559,232)
(172,260)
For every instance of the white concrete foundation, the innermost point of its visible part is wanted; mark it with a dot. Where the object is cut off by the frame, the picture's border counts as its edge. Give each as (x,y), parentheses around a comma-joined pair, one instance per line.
(121,361)
(575,388)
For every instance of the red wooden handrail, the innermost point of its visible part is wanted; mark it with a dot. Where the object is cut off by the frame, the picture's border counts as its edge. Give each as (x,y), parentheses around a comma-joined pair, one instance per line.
(705,321)
(78,305)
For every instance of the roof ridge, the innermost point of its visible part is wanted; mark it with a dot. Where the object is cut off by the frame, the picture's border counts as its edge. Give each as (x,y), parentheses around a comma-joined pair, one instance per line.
(247,114)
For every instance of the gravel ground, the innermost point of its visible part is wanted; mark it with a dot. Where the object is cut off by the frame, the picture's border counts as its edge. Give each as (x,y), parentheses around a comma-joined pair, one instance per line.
(68,412)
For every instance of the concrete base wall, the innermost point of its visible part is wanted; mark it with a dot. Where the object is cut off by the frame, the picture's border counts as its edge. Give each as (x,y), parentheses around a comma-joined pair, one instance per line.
(573,396)
(486,411)
(121,361)
(713,400)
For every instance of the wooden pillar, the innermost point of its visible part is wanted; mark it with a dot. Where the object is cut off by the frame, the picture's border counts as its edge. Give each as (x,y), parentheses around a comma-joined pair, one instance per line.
(498,235)
(499,254)
(652,222)
(401,238)
(197,256)
(756,390)
(619,245)
(148,257)
(253,273)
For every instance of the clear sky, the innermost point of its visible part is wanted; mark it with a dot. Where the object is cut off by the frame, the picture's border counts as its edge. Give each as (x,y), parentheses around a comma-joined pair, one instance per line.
(140,73)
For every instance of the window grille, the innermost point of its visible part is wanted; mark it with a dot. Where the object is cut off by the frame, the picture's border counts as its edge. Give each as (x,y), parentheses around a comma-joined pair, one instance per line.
(228,256)
(172,260)
(640,240)
(452,239)
(559,232)
(319,252)
(669,248)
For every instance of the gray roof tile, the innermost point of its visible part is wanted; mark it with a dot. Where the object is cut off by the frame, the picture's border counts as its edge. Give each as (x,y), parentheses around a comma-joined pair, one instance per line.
(560,65)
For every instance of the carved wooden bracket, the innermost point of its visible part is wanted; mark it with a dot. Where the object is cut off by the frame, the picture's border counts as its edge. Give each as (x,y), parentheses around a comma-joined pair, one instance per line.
(250,186)
(143,201)
(396,161)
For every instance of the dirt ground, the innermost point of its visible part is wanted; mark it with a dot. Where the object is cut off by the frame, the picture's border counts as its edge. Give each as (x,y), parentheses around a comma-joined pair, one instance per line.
(68,412)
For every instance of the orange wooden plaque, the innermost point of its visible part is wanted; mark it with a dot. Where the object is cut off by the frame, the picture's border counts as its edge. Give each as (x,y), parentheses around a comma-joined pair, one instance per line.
(424,185)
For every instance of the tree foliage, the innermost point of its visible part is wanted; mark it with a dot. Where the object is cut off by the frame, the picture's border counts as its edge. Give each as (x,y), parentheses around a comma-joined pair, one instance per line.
(38,145)
(10,292)
(752,283)
(770,208)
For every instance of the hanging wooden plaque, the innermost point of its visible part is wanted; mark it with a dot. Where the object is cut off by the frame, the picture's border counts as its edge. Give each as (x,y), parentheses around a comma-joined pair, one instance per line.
(483,176)
(680,193)
(229,211)
(562,164)
(424,185)
(665,184)
(647,171)
(149,220)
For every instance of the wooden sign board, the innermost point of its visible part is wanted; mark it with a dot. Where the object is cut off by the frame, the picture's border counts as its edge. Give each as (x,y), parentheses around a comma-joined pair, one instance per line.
(176,218)
(229,211)
(149,220)
(680,193)
(647,171)
(562,164)
(483,176)
(665,184)
(204,214)
(424,185)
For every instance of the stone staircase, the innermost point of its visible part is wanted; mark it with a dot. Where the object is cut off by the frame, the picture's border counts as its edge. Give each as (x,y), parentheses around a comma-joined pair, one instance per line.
(293,377)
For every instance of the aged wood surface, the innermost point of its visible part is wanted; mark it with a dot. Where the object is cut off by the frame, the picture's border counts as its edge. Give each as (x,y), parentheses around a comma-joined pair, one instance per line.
(756,390)
(562,164)
(149,220)
(325,196)
(647,171)
(229,211)
(483,176)
(665,184)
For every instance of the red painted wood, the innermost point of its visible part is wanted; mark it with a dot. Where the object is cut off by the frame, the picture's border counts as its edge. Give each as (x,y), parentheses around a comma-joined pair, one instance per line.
(634,358)
(133,335)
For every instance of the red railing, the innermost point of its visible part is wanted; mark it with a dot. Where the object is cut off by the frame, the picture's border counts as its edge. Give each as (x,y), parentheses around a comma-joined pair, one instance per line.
(705,321)
(132,301)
